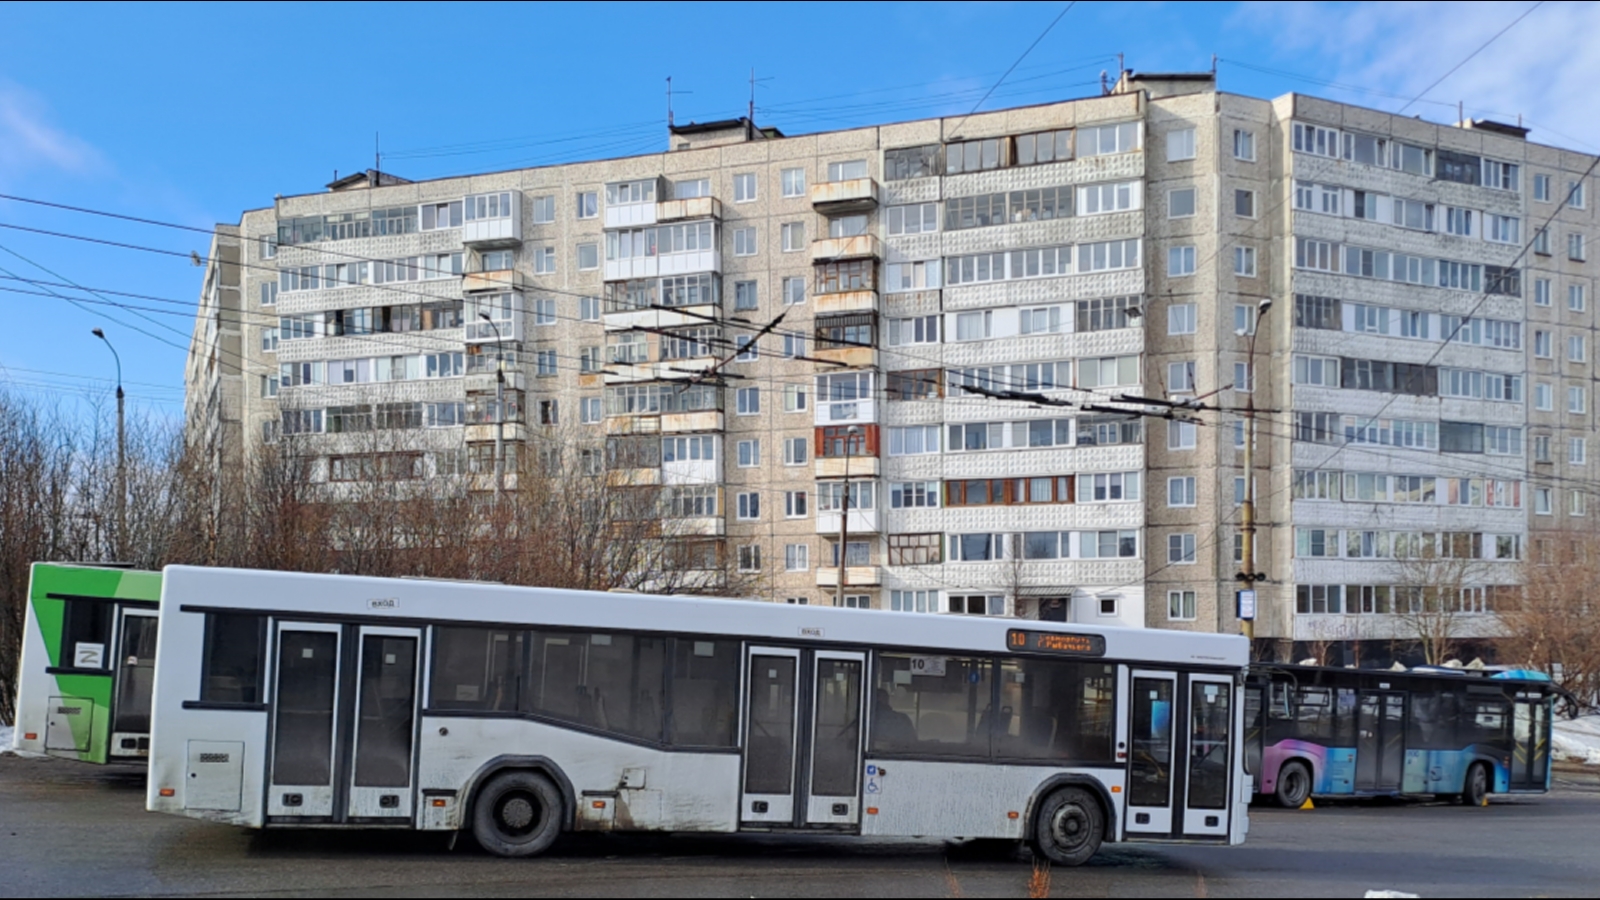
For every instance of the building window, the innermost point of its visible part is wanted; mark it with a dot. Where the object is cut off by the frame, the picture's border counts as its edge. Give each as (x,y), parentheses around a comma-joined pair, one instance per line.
(921,218)
(1180,377)
(589,309)
(1244,262)
(744,295)
(1575,198)
(546,363)
(749,506)
(744,187)
(795,398)
(794,291)
(972,156)
(1181,435)
(1244,145)
(1180,606)
(1577,451)
(588,204)
(1181,318)
(549,412)
(1543,397)
(1576,503)
(750,557)
(1541,188)
(796,557)
(795,451)
(748,401)
(914,601)
(794,504)
(744,242)
(794,236)
(1244,204)
(1180,261)
(1575,250)
(589,410)
(1577,298)
(1541,344)
(1541,292)
(744,348)
(1180,549)
(794,182)
(1180,145)
(1244,380)
(848,170)
(1576,349)
(544,261)
(1181,491)
(269,293)
(588,257)
(1541,501)
(1577,400)
(269,340)
(1180,203)
(1244,319)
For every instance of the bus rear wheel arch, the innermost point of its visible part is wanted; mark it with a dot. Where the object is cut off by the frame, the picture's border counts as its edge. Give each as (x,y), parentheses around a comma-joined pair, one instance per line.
(1069,827)
(1294,784)
(517,812)
(1475,786)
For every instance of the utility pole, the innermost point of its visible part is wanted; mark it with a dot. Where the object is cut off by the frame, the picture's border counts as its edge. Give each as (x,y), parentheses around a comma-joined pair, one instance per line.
(1247,510)
(499,412)
(122,458)
(844,513)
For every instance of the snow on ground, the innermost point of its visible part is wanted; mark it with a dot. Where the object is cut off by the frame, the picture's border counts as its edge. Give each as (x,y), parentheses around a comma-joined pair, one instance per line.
(1578,740)
(5,738)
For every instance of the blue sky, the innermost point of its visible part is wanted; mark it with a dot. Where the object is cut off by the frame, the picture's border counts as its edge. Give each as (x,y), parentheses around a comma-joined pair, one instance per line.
(190,113)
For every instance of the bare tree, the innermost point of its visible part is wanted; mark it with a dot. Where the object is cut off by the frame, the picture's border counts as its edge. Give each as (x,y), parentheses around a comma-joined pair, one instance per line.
(1441,598)
(1554,628)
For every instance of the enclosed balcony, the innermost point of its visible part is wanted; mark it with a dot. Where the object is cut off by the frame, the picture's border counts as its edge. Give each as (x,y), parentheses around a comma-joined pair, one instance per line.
(852,195)
(863,513)
(506,279)
(632,203)
(840,249)
(678,301)
(689,208)
(847,301)
(845,398)
(504,322)
(492,220)
(854,576)
(678,248)
(849,339)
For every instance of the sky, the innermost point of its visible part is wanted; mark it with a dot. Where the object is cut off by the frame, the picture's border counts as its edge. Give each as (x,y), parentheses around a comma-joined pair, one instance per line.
(191,113)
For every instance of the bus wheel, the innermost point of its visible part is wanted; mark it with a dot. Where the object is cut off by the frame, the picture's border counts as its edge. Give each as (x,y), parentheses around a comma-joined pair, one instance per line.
(1294,785)
(1475,790)
(1070,827)
(517,814)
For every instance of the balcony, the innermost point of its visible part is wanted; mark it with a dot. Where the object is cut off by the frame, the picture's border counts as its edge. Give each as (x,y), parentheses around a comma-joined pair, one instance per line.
(704,526)
(477,331)
(496,281)
(861,246)
(847,302)
(691,208)
(620,317)
(846,412)
(858,467)
(667,370)
(634,477)
(854,576)
(663,264)
(688,422)
(493,220)
(862,521)
(855,195)
(515,431)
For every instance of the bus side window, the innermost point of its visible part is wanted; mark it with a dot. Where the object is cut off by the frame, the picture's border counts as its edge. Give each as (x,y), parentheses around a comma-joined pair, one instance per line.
(612,682)
(705,693)
(1063,710)
(86,634)
(934,706)
(231,670)
(476,668)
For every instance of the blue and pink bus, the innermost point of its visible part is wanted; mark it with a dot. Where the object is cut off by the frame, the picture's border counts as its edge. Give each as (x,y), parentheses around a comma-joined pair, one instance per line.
(1314,732)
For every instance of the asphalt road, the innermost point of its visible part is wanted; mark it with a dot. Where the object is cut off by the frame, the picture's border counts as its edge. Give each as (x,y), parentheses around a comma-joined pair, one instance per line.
(70,829)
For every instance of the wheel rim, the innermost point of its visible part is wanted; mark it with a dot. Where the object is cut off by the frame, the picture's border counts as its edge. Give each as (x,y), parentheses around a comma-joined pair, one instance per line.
(1296,783)
(1069,828)
(1480,783)
(517,813)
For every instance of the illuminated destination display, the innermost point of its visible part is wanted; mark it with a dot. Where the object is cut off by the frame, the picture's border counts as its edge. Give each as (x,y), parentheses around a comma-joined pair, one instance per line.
(1056,642)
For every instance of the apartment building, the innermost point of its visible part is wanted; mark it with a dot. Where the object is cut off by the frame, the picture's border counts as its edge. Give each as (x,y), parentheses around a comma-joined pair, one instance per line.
(1020,349)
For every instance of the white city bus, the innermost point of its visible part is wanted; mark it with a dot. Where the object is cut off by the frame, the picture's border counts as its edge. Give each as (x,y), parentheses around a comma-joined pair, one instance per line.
(294,700)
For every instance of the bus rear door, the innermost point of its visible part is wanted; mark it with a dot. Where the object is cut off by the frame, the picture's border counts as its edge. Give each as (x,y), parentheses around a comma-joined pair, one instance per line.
(1530,736)
(135,674)
(1380,741)
(1180,764)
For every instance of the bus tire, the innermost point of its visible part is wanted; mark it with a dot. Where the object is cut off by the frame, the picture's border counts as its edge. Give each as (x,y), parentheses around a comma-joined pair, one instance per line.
(517,813)
(1069,828)
(1294,785)
(1475,787)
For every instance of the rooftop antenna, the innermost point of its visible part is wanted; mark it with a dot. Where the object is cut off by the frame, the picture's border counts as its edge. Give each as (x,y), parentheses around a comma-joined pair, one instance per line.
(751,115)
(1121,68)
(669,101)
(377,158)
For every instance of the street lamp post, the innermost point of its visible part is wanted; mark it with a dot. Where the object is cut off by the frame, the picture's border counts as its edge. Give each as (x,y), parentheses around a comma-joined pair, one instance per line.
(122,456)
(844,513)
(499,411)
(1247,510)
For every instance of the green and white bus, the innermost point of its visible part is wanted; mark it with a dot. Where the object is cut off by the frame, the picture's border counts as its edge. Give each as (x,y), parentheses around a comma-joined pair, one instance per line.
(88,663)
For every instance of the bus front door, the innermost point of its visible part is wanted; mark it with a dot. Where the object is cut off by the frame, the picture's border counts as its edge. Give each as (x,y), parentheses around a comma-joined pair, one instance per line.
(802,738)
(1530,751)
(1180,760)
(135,674)
(304,722)
(1380,741)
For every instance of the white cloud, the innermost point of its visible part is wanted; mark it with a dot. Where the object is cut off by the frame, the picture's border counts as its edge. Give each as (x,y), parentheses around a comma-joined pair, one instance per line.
(1543,69)
(28,141)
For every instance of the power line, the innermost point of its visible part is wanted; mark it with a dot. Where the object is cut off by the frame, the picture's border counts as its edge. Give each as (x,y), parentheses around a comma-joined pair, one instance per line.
(956,131)
(1457,67)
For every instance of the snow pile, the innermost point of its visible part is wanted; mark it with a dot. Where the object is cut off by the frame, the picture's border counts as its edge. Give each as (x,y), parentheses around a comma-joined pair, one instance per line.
(5,738)
(1575,739)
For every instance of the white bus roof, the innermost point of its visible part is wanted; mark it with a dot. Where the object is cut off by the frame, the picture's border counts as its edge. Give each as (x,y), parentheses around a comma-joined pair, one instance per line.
(297,594)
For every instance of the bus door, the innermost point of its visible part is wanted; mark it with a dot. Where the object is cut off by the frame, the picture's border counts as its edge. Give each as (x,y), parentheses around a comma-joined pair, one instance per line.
(135,678)
(1380,741)
(1208,785)
(802,737)
(771,736)
(383,722)
(1152,739)
(833,785)
(1530,735)
(304,721)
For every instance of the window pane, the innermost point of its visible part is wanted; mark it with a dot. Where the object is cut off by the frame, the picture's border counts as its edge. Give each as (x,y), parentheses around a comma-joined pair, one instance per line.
(476,668)
(931,706)
(611,682)
(232,669)
(1062,711)
(705,693)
